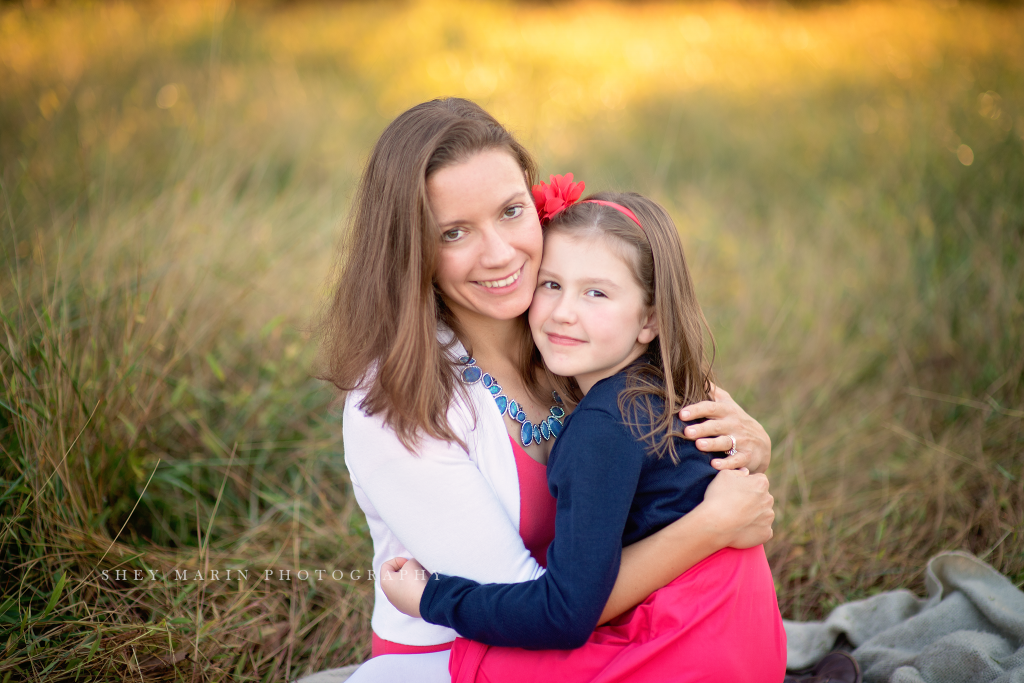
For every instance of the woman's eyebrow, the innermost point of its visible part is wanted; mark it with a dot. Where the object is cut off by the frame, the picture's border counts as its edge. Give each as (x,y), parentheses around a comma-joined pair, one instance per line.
(456,221)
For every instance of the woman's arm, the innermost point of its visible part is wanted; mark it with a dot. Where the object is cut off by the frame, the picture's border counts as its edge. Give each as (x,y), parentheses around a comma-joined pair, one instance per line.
(725,418)
(736,512)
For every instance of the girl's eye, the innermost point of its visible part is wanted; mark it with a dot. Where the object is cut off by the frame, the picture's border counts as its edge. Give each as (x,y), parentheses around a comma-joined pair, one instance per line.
(513,212)
(594,293)
(548,284)
(452,235)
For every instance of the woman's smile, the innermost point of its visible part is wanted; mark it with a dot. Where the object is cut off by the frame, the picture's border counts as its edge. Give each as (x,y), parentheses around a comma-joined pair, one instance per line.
(504,284)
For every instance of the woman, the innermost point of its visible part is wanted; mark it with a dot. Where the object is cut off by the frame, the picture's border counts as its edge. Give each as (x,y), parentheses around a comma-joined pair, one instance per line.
(440,267)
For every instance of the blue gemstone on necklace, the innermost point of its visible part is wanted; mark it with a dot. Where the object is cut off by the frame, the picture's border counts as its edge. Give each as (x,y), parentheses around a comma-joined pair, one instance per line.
(529,433)
(526,434)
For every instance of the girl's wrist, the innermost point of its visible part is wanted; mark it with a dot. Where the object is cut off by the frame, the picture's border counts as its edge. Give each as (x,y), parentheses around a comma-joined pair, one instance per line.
(701,530)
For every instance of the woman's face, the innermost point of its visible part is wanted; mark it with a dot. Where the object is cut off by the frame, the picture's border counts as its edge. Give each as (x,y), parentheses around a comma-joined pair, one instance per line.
(491,239)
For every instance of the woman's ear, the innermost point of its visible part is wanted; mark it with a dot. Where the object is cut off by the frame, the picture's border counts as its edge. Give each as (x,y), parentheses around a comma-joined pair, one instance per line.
(650,329)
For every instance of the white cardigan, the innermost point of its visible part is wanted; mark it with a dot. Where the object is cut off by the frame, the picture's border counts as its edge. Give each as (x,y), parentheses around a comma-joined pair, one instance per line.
(455,512)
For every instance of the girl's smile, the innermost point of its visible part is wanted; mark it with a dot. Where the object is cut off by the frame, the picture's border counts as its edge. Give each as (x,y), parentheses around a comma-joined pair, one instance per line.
(588,317)
(563,340)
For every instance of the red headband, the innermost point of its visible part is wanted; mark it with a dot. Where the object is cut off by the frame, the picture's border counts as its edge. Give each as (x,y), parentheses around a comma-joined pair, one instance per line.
(562,193)
(620,207)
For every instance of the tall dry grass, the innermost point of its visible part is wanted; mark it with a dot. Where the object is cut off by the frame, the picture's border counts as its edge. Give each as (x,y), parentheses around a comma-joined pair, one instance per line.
(173,178)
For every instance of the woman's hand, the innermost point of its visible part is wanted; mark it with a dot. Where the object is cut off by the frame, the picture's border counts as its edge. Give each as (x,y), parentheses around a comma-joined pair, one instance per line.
(725,418)
(404,581)
(736,512)
(739,508)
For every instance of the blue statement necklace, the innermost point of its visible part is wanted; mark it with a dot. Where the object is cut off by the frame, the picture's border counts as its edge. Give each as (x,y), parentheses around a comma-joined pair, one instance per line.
(548,428)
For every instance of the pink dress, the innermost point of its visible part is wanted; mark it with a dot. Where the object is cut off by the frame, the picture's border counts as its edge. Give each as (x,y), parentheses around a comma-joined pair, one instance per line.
(719,622)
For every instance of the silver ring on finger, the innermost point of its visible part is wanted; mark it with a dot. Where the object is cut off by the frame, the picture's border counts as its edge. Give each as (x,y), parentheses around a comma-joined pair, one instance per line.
(732,451)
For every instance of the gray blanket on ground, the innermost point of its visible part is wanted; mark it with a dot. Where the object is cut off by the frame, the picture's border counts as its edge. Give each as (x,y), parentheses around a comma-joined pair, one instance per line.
(970,629)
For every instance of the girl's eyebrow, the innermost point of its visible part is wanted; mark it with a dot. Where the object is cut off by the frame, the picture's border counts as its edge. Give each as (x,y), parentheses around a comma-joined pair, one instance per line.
(604,282)
(505,203)
(600,281)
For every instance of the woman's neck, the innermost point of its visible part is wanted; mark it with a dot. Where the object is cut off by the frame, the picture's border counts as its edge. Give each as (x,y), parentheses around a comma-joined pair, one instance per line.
(495,342)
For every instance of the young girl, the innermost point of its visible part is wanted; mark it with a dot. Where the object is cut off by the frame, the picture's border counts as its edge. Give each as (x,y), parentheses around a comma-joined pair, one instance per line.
(615,311)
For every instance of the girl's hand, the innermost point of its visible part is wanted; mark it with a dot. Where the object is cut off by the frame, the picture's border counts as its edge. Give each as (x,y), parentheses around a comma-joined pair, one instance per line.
(739,508)
(725,418)
(404,581)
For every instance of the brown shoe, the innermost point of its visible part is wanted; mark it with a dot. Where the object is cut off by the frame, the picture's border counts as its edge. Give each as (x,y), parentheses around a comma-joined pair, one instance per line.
(835,667)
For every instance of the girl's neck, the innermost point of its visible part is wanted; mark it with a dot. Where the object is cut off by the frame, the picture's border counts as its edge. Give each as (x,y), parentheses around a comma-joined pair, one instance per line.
(586,382)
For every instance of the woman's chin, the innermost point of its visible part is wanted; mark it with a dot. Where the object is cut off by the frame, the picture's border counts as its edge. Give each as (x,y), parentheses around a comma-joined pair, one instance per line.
(504,307)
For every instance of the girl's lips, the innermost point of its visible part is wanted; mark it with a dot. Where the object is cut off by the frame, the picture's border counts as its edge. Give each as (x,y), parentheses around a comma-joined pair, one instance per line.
(502,285)
(562,340)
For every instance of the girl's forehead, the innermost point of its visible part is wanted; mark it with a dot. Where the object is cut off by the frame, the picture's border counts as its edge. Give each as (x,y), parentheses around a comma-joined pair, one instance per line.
(587,240)
(590,250)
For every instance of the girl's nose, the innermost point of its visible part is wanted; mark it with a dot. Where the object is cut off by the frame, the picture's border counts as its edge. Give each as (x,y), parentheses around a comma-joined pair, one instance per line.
(564,310)
(497,251)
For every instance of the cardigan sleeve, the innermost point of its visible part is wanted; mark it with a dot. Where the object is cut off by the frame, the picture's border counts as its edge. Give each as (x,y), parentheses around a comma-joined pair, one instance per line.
(435,501)
(594,478)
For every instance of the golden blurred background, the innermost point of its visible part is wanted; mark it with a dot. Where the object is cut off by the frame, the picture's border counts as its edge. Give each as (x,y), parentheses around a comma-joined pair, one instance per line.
(848,179)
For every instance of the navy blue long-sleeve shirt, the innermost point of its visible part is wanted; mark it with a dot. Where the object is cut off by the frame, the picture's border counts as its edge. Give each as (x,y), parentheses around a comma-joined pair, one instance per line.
(610,493)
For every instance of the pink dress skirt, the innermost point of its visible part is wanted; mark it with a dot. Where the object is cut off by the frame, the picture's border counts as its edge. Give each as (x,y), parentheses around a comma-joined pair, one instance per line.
(719,622)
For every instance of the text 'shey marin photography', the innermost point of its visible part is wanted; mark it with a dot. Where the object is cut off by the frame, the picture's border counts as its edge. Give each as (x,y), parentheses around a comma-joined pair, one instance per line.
(244,574)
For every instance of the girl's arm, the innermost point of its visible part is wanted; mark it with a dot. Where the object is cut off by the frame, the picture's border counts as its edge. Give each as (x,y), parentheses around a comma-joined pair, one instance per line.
(594,481)
(435,501)
(736,512)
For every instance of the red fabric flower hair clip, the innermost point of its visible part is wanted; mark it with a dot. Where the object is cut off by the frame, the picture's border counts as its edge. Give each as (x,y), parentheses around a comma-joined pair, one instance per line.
(556,197)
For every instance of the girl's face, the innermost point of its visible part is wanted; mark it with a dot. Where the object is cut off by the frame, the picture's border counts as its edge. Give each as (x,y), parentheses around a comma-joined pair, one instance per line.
(588,317)
(491,240)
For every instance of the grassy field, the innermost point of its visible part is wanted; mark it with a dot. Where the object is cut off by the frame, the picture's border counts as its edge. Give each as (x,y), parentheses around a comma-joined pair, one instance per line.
(848,180)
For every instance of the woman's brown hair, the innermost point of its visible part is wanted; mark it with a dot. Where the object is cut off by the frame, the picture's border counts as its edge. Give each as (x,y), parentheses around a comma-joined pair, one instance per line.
(677,372)
(379,331)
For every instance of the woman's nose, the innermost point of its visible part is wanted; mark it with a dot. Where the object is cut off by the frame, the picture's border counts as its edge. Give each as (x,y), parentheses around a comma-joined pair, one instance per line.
(497,251)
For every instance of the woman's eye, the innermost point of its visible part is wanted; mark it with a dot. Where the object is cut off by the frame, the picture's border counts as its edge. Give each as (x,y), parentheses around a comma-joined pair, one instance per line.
(513,212)
(452,235)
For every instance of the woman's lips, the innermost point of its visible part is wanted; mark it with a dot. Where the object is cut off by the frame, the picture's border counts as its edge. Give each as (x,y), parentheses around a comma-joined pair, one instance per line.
(562,340)
(502,285)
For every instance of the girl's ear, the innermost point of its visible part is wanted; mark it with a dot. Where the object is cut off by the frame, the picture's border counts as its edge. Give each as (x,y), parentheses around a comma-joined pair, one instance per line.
(650,329)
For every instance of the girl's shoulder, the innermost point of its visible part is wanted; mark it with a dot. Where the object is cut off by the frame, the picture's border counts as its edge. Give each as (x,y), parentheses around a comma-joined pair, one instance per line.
(604,397)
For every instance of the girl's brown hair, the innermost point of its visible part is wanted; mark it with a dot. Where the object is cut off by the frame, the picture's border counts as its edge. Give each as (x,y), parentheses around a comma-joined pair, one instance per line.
(378,332)
(677,371)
